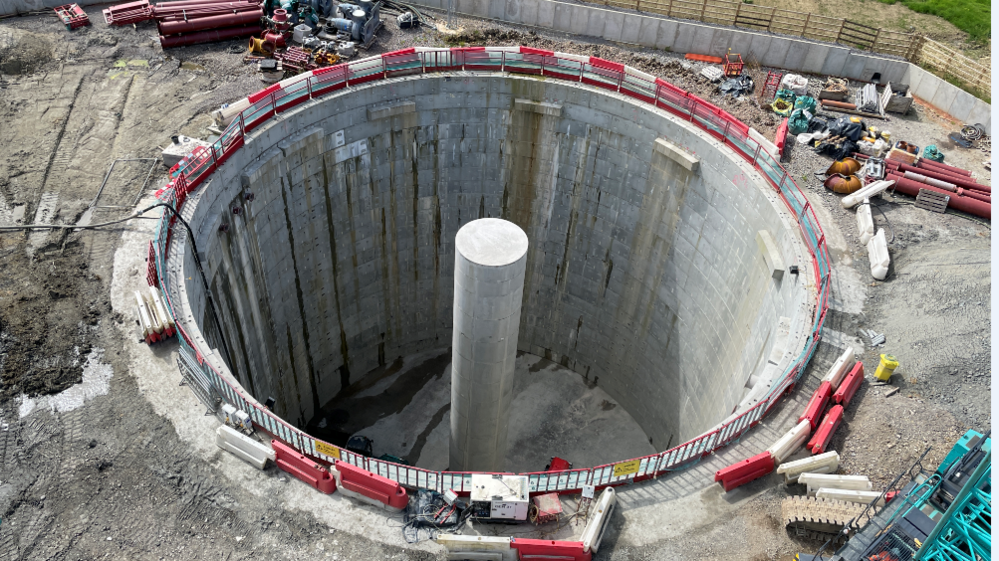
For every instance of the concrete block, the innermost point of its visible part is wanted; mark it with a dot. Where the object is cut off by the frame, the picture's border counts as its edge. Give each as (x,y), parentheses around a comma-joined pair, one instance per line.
(597,21)
(777,52)
(677,154)
(632,25)
(835,60)
(702,40)
(944,96)
(772,256)
(721,42)
(562,17)
(795,58)
(579,19)
(546,14)
(684,39)
(666,34)
(815,58)
(961,107)
(513,11)
(854,67)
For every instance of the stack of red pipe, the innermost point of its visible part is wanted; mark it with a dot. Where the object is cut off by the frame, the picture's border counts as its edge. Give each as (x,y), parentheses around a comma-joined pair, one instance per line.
(966,194)
(189,22)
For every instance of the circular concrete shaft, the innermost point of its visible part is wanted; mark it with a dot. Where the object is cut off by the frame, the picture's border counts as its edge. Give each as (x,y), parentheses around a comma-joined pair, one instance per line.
(489,265)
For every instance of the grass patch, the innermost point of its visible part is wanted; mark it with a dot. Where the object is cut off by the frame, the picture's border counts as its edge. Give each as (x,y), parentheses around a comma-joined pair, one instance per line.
(971,16)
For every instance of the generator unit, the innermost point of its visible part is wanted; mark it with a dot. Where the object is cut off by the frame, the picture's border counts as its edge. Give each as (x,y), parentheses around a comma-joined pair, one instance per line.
(498,497)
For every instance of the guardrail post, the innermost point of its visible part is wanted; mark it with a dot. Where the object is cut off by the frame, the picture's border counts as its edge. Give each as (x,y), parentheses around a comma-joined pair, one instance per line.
(756,156)
(308,85)
(503,62)
(242,124)
(273,103)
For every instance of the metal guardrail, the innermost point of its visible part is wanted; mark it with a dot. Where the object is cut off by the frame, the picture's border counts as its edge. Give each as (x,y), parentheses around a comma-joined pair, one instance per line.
(600,73)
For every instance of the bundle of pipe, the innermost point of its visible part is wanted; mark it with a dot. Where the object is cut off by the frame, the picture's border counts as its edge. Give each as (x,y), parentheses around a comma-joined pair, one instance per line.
(960,181)
(960,199)
(190,22)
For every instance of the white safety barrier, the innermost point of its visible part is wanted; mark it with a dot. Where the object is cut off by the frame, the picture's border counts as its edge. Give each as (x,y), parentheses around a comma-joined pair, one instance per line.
(839,368)
(243,447)
(821,463)
(866,193)
(790,442)
(877,251)
(477,548)
(593,534)
(865,222)
(816,481)
(850,496)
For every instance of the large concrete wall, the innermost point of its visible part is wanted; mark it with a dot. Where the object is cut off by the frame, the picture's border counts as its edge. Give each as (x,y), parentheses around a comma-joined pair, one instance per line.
(795,54)
(643,275)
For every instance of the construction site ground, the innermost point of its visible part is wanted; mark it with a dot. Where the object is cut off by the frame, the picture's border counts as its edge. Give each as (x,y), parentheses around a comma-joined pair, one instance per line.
(104,455)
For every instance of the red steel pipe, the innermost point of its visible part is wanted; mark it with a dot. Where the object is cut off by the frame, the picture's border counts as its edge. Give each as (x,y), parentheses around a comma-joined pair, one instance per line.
(984,197)
(212,22)
(184,3)
(922,165)
(958,201)
(208,36)
(945,167)
(948,178)
(194,11)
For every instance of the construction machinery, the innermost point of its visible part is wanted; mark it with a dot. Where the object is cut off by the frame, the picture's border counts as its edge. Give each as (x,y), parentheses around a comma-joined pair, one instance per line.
(944,515)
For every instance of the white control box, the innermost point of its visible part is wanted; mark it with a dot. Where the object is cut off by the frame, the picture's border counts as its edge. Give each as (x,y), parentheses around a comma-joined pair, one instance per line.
(500,497)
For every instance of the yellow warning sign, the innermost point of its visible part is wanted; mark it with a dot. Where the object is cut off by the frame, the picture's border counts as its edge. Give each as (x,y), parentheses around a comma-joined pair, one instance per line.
(327,449)
(626,468)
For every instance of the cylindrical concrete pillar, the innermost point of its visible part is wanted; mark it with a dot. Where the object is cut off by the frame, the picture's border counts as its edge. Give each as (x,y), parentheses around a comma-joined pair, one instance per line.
(490,259)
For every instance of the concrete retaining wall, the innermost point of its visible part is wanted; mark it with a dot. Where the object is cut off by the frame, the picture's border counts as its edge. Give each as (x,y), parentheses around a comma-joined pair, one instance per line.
(795,54)
(644,276)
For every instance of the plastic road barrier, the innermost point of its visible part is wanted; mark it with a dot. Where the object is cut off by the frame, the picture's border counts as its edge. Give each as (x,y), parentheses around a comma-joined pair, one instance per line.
(370,488)
(839,368)
(823,434)
(816,481)
(303,468)
(848,495)
(243,447)
(821,463)
(745,471)
(877,251)
(549,550)
(593,533)
(790,442)
(817,404)
(850,385)
(477,548)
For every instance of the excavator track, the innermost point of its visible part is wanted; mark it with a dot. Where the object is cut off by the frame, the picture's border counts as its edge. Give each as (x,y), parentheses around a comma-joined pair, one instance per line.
(819,519)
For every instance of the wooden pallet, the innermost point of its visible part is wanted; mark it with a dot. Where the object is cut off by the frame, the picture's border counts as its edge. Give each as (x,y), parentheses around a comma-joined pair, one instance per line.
(932,201)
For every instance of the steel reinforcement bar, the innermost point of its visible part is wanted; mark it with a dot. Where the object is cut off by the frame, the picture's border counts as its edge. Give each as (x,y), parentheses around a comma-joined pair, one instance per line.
(520,60)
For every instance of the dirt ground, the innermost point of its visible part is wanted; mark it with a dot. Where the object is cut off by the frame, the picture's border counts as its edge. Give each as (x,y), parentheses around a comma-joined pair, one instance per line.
(104,477)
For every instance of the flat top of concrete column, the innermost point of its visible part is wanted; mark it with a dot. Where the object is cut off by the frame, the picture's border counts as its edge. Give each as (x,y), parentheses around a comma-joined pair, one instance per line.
(491,242)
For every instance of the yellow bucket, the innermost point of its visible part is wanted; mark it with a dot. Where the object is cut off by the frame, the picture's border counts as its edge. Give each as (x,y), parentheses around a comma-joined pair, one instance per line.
(888,365)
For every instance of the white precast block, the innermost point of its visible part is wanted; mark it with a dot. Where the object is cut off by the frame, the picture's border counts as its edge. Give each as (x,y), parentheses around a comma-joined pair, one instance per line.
(866,193)
(490,260)
(477,547)
(790,442)
(865,222)
(160,305)
(821,463)
(816,481)
(851,496)
(243,447)
(144,317)
(839,368)
(877,251)
(593,533)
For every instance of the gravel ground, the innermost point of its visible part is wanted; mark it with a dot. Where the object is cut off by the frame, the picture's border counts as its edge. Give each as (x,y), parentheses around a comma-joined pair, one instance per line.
(110,479)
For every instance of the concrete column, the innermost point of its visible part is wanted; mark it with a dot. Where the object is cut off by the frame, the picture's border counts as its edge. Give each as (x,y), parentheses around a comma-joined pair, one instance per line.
(489,265)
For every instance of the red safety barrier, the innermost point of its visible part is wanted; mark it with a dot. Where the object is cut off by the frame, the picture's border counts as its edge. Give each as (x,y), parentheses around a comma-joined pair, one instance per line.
(533,51)
(817,404)
(372,485)
(151,277)
(253,98)
(781,139)
(550,550)
(850,385)
(303,468)
(606,64)
(826,429)
(745,471)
